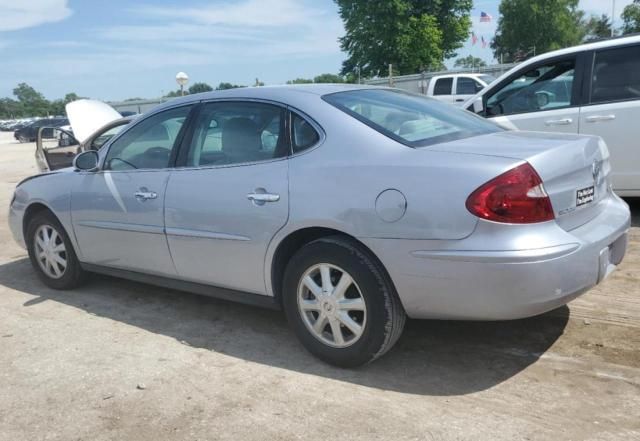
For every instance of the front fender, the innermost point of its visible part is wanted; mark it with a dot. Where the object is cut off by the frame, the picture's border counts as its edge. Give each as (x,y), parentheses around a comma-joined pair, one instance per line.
(51,191)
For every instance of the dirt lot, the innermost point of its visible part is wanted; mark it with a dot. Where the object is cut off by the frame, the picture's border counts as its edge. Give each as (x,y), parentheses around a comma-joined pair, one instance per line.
(121,360)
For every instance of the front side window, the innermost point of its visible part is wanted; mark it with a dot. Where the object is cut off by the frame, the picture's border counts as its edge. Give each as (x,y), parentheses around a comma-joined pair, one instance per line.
(541,88)
(468,86)
(237,132)
(615,75)
(443,86)
(148,145)
(410,119)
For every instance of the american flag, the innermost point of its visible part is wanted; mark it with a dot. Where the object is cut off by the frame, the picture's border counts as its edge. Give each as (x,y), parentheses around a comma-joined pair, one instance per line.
(484,17)
(474,39)
(484,42)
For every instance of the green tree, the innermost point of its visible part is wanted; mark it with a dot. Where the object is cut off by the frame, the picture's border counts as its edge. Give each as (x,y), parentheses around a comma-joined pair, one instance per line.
(226,86)
(176,93)
(10,108)
(539,26)
(300,81)
(328,78)
(32,102)
(410,34)
(597,28)
(469,62)
(200,88)
(631,18)
(71,96)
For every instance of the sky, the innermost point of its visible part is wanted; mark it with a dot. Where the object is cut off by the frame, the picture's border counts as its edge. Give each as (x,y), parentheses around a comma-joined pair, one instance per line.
(117,49)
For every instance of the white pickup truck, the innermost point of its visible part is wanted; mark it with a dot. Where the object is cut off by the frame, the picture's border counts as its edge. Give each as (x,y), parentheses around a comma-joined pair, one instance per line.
(457,88)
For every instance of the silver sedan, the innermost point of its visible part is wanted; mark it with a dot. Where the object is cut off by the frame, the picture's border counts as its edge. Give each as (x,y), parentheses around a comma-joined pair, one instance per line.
(349,207)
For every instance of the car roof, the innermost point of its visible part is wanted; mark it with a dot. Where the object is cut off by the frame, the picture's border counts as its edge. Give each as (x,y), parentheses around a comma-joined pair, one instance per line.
(275,93)
(603,44)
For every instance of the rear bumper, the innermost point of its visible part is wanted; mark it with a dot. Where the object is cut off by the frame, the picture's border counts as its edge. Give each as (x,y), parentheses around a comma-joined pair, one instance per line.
(504,272)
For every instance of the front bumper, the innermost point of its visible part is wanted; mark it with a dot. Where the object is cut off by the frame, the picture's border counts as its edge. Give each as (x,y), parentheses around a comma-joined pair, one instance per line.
(504,272)
(15,224)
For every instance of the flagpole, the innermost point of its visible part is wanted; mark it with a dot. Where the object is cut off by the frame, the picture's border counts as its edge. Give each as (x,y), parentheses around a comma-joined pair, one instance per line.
(613,16)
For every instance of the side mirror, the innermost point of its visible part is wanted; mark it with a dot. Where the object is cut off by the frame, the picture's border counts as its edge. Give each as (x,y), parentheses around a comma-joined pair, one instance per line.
(86,161)
(478,106)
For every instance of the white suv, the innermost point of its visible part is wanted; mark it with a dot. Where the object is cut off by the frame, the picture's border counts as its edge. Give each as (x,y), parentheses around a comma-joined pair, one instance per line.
(590,89)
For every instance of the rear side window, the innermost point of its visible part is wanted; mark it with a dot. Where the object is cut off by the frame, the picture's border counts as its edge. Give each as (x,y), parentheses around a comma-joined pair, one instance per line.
(237,132)
(615,75)
(303,135)
(410,119)
(443,86)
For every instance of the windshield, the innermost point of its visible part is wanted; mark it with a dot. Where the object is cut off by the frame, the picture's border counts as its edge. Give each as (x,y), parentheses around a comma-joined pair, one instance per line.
(410,119)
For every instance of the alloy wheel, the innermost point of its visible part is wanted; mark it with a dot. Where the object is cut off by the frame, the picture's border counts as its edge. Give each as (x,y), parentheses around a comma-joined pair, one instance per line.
(331,305)
(50,251)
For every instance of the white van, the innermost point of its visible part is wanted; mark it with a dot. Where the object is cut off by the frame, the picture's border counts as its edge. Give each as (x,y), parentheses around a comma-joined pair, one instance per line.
(590,89)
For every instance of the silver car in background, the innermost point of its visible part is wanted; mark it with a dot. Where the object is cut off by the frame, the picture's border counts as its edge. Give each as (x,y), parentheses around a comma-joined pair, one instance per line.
(349,207)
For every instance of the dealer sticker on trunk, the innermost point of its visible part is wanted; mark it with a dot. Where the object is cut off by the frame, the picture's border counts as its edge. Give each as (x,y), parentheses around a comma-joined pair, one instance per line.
(585,195)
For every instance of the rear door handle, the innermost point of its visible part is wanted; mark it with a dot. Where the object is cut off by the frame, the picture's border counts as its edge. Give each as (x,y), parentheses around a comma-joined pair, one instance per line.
(144,194)
(262,198)
(596,118)
(460,100)
(559,122)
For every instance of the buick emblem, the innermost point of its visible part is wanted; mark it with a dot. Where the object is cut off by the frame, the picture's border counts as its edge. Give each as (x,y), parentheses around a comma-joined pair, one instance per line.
(595,171)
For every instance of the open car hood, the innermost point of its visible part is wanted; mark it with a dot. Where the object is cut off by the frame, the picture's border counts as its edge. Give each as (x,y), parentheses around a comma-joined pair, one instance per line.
(87,116)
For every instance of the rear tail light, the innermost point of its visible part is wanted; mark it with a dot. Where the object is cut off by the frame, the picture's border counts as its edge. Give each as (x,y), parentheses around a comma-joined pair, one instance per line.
(516,196)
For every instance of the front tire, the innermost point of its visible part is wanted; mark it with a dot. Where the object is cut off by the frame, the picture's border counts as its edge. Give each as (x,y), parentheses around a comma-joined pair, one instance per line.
(340,302)
(52,254)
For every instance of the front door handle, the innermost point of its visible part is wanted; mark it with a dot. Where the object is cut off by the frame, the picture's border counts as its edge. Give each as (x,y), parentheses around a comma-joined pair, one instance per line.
(460,100)
(260,198)
(597,118)
(144,194)
(559,122)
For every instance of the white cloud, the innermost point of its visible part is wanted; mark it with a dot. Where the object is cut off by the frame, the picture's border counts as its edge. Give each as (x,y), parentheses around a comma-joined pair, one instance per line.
(260,13)
(245,31)
(22,14)
(599,7)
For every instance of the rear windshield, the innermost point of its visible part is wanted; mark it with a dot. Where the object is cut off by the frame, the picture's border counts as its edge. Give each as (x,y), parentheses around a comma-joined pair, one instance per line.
(410,119)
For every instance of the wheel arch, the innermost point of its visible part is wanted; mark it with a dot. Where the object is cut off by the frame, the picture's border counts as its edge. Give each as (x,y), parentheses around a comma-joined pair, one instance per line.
(298,238)
(36,207)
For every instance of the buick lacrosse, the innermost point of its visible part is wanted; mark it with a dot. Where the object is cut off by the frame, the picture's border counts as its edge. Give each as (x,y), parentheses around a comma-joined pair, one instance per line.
(348,207)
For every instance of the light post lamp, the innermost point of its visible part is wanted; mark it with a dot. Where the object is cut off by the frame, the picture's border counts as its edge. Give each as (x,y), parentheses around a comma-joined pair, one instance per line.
(182,79)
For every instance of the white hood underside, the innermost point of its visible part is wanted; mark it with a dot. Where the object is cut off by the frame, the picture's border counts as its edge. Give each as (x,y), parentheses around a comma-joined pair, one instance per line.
(87,116)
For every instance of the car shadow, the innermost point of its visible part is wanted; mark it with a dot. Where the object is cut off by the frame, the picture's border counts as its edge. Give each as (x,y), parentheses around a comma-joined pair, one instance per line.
(634,205)
(432,357)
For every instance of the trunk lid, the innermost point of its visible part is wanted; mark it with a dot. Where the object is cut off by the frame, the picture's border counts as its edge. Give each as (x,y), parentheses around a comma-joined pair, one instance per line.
(575,169)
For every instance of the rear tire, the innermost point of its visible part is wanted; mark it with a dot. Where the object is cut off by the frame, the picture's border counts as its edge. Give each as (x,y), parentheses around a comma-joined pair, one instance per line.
(341,303)
(52,254)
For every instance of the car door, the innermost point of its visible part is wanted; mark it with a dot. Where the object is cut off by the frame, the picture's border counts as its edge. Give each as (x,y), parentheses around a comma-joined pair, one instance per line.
(612,111)
(465,88)
(230,197)
(443,89)
(56,151)
(543,97)
(118,212)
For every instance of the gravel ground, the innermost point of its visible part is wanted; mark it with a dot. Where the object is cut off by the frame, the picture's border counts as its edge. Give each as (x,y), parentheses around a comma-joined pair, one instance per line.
(122,360)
